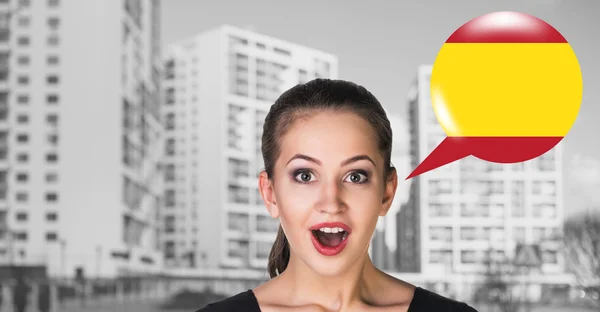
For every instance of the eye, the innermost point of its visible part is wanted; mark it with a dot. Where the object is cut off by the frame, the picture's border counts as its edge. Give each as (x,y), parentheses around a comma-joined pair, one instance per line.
(303,176)
(357,177)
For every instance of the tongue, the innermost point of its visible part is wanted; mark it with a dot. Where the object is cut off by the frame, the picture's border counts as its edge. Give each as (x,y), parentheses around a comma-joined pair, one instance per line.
(329,239)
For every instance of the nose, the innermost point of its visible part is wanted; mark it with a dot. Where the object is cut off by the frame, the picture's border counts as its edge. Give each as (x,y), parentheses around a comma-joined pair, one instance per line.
(330,200)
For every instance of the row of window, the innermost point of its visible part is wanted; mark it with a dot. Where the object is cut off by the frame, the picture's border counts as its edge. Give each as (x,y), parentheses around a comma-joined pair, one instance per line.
(25,60)
(23,236)
(52,139)
(494,187)
(480,256)
(51,99)
(23,197)
(27,3)
(51,119)
(23,217)
(486,233)
(486,210)
(53,22)
(50,79)
(240,222)
(239,249)
(24,177)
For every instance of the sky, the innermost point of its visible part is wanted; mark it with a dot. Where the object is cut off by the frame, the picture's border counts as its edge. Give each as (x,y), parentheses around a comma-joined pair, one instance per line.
(380,44)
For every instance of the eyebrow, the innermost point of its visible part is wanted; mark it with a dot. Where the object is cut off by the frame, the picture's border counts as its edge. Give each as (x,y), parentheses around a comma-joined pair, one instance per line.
(343,163)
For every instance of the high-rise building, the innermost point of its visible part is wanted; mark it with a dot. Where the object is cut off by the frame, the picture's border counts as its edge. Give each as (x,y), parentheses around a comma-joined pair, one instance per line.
(461,214)
(219,86)
(80,135)
(384,242)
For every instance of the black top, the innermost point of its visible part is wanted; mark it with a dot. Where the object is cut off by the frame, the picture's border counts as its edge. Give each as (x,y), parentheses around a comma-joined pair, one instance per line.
(423,301)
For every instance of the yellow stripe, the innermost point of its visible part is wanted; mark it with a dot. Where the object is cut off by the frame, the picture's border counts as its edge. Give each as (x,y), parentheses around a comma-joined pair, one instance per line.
(512,89)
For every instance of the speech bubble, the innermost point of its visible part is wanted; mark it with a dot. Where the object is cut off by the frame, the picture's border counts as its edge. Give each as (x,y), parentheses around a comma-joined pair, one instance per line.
(506,87)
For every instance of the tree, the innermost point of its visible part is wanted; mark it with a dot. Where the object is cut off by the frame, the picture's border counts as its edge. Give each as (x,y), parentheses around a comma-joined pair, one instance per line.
(582,252)
(503,286)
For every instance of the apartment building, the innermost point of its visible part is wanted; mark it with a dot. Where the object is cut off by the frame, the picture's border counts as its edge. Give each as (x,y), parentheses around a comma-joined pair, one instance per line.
(218,87)
(459,215)
(80,135)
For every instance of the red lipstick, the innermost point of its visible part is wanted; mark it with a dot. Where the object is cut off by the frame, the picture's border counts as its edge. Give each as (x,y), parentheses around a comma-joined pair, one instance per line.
(328,243)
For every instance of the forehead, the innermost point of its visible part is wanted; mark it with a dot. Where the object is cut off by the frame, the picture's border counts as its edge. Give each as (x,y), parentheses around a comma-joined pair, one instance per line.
(330,135)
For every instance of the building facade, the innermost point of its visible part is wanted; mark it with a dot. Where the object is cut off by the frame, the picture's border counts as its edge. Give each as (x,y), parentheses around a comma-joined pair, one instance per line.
(461,214)
(218,87)
(384,245)
(80,135)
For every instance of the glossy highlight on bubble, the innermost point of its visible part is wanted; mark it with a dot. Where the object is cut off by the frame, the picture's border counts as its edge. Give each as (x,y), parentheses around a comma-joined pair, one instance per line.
(506,87)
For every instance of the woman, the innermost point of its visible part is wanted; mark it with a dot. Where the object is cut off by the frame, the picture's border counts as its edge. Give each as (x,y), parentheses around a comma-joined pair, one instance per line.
(327,146)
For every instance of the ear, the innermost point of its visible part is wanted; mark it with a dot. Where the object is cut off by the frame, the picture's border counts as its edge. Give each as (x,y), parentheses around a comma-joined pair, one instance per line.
(390,191)
(265,186)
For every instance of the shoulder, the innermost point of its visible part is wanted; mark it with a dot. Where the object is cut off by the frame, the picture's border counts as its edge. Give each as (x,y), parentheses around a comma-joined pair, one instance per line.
(425,300)
(244,301)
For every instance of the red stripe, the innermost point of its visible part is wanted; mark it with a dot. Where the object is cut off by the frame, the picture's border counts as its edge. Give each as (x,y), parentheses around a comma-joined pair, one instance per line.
(506,27)
(493,149)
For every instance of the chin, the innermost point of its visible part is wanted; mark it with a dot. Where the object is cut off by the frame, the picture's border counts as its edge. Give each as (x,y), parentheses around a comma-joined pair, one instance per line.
(333,266)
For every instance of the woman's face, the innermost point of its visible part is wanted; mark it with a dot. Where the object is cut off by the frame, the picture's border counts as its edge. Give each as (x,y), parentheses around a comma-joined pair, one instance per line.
(329,178)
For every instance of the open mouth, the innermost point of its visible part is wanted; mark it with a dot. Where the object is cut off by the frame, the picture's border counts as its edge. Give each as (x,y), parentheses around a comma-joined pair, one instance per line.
(330,238)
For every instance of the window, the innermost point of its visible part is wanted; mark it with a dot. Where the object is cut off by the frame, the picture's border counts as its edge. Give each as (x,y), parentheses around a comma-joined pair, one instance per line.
(51,177)
(53,40)
(468,256)
(53,22)
(237,249)
(170,122)
(21,197)
(52,79)
(170,147)
(52,60)
(23,99)
(21,236)
(440,233)
(51,217)
(22,138)
(440,210)
(22,216)
(53,3)
(23,41)
(24,3)
(238,222)
(22,177)
(52,99)
(51,237)
(23,60)
(238,194)
(437,187)
(53,139)
(170,173)
(23,21)
(440,256)
(52,120)
(170,224)
(170,198)
(23,119)
(51,197)
(468,233)
(23,80)
(51,157)
(22,158)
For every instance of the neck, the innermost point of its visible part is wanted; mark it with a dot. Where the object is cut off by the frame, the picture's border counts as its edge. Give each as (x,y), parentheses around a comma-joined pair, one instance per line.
(332,292)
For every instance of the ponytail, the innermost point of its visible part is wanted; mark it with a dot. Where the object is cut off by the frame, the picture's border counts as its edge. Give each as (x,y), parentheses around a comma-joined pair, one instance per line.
(280,254)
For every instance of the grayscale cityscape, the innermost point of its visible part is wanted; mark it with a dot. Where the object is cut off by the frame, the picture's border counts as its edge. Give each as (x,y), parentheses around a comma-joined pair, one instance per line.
(130,150)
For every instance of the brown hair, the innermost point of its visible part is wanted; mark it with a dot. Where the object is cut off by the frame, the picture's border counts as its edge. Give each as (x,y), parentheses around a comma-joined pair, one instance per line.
(302,101)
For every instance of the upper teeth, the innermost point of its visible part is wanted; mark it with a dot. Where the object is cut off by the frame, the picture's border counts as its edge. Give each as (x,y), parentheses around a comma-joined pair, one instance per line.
(331,230)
